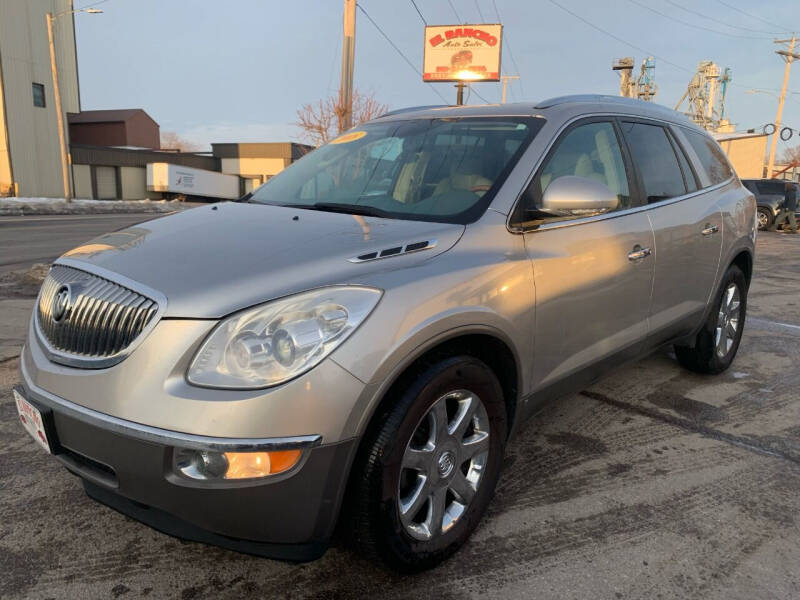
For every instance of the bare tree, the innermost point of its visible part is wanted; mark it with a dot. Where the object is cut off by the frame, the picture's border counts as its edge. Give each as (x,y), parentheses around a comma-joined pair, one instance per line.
(321,121)
(791,155)
(171,140)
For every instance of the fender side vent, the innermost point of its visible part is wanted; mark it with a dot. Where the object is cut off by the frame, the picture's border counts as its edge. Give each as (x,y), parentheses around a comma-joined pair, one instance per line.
(395,251)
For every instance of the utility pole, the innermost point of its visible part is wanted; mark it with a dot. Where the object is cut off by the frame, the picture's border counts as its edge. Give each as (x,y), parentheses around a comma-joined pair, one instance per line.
(789,56)
(460,93)
(505,79)
(348,57)
(62,142)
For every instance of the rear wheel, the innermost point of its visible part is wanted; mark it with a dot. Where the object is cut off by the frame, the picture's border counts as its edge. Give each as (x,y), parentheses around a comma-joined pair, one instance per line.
(718,340)
(427,474)
(764,219)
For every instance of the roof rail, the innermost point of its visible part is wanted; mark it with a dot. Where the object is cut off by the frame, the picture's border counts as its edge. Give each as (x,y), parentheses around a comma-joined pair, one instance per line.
(586,98)
(663,111)
(400,111)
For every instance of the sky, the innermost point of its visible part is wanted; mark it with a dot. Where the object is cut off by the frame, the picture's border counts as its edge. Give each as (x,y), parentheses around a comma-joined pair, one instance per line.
(237,70)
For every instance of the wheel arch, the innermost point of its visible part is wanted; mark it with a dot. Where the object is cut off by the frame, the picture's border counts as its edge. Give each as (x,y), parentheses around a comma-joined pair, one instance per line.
(742,257)
(482,342)
(772,207)
(744,260)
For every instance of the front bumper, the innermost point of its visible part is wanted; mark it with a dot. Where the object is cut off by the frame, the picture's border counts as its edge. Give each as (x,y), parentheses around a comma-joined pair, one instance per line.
(129,467)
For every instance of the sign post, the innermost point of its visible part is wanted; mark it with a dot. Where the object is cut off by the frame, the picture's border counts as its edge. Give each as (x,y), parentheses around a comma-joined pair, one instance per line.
(462,53)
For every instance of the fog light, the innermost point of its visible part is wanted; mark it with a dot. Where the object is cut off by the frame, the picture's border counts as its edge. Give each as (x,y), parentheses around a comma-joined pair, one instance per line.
(246,465)
(209,465)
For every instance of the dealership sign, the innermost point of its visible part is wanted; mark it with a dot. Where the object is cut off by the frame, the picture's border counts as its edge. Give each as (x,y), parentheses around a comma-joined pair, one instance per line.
(462,53)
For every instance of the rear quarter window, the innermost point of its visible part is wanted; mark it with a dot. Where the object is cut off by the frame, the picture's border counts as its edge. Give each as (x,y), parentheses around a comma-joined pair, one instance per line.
(711,156)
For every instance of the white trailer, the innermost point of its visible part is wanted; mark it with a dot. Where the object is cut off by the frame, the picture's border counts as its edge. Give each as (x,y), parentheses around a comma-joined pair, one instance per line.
(187,181)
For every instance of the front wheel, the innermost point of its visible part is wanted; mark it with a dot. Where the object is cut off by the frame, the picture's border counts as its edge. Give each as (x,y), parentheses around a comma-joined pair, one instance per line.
(427,473)
(764,219)
(718,340)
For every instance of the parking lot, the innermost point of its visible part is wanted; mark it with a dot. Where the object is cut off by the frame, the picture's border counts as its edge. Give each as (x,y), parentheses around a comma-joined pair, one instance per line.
(653,483)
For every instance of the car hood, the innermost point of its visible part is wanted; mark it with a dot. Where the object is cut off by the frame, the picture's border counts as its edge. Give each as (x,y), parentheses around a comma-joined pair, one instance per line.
(214,260)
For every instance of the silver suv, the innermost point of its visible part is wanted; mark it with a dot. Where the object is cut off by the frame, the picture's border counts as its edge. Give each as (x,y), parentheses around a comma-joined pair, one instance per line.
(357,341)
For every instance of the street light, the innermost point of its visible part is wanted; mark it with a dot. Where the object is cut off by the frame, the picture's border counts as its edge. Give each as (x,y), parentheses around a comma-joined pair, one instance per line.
(62,138)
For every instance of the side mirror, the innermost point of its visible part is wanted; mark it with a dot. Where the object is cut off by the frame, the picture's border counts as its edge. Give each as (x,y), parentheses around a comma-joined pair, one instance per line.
(579,194)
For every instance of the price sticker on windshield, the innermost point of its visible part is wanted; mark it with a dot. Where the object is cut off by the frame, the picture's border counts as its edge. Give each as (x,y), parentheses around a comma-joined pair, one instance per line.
(349,137)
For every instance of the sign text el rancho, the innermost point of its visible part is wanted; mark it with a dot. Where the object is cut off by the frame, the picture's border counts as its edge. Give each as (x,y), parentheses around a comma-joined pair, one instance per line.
(462,53)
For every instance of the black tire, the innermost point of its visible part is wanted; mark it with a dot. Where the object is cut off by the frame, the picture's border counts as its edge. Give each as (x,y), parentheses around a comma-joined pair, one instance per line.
(376,527)
(765,219)
(704,357)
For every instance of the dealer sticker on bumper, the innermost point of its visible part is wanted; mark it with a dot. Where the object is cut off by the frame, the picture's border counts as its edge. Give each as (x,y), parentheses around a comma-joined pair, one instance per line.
(31,419)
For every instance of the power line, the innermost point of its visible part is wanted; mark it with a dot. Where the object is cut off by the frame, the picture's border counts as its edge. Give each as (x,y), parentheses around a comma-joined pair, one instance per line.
(507,42)
(635,47)
(91,5)
(739,10)
(480,14)
(454,11)
(333,65)
(619,39)
(692,25)
(400,52)
(419,13)
(702,16)
(477,94)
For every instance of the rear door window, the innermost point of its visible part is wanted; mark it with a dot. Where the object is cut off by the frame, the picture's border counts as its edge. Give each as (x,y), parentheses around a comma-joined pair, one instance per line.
(711,156)
(655,160)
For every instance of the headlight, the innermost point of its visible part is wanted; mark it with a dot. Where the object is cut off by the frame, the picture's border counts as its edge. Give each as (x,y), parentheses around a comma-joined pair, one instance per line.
(274,342)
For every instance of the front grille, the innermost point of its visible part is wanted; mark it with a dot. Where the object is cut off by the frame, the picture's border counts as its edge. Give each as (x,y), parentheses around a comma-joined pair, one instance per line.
(95,318)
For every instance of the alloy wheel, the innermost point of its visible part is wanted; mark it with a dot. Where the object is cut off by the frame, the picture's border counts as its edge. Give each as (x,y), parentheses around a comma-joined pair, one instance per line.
(727,320)
(443,465)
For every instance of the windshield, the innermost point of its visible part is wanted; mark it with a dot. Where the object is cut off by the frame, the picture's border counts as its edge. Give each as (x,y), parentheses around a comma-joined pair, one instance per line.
(444,170)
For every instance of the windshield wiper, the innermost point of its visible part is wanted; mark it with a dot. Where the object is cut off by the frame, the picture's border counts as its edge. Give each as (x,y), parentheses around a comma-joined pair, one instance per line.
(352,209)
(341,207)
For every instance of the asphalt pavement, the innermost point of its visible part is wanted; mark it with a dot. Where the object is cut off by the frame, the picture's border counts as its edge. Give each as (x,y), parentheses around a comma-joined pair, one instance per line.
(653,483)
(41,239)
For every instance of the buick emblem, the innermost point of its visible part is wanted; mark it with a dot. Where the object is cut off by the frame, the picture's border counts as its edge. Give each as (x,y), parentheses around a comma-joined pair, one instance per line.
(446,463)
(61,304)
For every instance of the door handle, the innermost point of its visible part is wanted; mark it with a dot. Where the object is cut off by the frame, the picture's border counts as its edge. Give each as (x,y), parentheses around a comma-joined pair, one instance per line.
(710,229)
(638,253)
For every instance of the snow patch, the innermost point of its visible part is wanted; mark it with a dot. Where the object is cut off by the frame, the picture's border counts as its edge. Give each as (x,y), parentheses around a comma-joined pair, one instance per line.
(82,206)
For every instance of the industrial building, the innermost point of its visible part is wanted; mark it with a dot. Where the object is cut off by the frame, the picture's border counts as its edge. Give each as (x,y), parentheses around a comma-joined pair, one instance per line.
(109,172)
(746,151)
(258,162)
(127,127)
(30,157)
(107,150)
